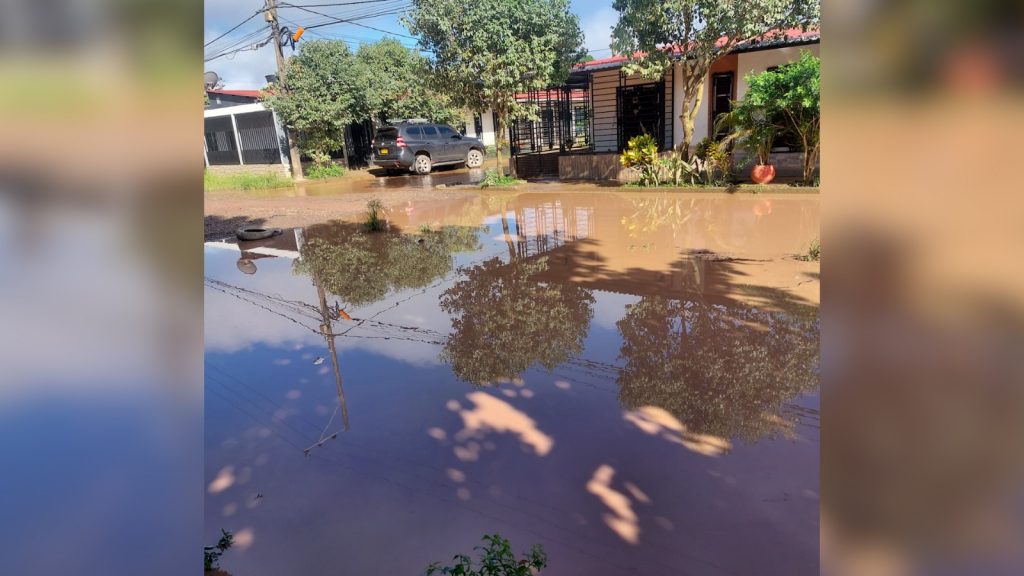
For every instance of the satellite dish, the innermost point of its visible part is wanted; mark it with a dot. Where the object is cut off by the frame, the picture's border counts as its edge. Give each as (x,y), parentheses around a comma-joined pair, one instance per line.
(210,79)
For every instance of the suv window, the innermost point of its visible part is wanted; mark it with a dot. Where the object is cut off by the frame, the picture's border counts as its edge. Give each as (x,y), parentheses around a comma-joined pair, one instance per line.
(429,132)
(387,133)
(446,132)
(414,133)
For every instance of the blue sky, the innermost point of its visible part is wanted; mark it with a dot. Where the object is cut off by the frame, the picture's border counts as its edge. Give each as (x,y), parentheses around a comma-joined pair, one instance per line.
(246,69)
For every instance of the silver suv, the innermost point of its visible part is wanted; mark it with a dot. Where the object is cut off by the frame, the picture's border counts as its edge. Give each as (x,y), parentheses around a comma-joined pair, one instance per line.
(418,147)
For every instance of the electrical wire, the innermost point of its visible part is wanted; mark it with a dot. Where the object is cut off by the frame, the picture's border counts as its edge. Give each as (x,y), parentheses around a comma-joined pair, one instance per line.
(236,27)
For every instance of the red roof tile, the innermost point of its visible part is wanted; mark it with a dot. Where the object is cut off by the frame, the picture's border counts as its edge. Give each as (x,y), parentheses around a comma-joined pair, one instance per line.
(243,93)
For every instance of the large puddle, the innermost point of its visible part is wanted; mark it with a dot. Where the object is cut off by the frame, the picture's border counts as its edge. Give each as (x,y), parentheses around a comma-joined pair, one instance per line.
(629,380)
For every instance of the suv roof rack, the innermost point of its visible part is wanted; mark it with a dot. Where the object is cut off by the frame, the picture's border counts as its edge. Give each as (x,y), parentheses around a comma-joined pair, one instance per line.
(410,121)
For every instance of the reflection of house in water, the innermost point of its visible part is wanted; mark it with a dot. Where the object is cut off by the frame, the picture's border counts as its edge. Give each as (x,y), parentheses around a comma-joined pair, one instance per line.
(284,245)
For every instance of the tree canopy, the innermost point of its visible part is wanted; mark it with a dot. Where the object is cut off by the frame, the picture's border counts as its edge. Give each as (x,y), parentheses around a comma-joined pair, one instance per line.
(315,97)
(722,370)
(487,51)
(505,320)
(649,30)
(362,267)
(394,83)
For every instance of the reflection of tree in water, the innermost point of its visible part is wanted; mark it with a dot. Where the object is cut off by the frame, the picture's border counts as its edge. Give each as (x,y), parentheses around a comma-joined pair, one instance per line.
(362,267)
(720,370)
(504,320)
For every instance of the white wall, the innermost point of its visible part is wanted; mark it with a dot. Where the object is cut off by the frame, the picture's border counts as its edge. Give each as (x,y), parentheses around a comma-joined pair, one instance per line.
(747,63)
(487,122)
(755,62)
(603,96)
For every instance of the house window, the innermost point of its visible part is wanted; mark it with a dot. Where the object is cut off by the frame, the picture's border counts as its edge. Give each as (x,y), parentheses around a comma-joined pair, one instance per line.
(721,99)
(478,125)
(641,110)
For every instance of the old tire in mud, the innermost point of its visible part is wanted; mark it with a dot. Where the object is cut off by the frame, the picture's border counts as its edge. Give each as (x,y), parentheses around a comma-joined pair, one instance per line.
(422,164)
(474,159)
(256,233)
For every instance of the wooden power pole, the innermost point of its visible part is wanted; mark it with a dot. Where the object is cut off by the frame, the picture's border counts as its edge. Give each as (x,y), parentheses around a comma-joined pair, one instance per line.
(275,30)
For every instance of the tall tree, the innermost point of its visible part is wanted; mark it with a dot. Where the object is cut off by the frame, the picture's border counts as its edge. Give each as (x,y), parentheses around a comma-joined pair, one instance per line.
(486,51)
(315,97)
(649,31)
(395,85)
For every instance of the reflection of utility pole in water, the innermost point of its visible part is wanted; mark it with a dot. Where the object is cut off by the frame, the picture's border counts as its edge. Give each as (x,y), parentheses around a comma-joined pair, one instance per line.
(506,232)
(328,333)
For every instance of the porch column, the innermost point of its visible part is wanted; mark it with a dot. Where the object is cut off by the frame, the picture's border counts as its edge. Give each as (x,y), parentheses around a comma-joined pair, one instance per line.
(238,141)
(281,137)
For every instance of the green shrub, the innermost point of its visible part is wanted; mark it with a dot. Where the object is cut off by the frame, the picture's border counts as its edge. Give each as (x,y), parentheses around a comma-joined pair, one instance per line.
(813,252)
(213,181)
(494,179)
(496,559)
(716,161)
(641,154)
(330,170)
(375,215)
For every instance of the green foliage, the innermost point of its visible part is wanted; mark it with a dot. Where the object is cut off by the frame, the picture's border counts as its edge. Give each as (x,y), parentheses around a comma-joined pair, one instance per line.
(505,319)
(486,51)
(495,179)
(212,554)
(328,170)
(754,125)
(496,559)
(213,181)
(641,154)
(726,370)
(813,252)
(375,215)
(716,161)
(361,268)
(316,96)
(645,27)
(792,95)
(394,83)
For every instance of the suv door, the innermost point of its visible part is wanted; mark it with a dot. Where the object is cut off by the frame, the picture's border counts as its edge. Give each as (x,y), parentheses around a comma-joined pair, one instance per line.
(453,145)
(432,143)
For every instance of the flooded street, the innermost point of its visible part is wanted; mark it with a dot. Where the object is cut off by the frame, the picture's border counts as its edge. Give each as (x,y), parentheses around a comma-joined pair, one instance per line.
(628,379)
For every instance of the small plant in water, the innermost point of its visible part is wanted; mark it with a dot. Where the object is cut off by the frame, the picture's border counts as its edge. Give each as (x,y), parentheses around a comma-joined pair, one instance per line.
(375,215)
(813,252)
(496,559)
(492,178)
(212,554)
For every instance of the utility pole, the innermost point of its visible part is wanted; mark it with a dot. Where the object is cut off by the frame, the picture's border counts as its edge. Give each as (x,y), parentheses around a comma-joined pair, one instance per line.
(275,30)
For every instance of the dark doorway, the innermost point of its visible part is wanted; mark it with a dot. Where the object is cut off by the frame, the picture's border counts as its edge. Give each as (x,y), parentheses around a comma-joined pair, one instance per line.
(722,95)
(641,111)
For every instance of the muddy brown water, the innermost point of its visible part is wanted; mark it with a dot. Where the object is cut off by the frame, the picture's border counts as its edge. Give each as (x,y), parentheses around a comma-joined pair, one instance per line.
(629,380)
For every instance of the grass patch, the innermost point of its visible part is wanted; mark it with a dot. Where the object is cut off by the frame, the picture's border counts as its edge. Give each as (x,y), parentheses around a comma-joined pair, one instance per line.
(494,179)
(213,181)
(374,215)
(813,252)
(327,171)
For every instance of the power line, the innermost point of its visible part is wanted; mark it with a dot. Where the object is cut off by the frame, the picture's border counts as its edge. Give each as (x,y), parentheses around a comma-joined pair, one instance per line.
(337,20)
(338,4)
(236,27)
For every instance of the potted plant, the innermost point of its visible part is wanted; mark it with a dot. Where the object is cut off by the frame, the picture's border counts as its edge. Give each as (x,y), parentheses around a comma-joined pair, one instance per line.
(751,123)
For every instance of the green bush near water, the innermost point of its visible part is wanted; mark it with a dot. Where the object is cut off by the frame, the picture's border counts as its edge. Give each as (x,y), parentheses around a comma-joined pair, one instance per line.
(493,179)
(213,181)
(317,172)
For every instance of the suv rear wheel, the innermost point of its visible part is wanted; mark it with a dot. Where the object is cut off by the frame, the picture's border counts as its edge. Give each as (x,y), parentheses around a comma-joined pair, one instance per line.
(422,164)
(474,159)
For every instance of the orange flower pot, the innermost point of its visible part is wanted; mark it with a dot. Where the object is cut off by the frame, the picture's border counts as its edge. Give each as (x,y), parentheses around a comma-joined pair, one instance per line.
(762,173)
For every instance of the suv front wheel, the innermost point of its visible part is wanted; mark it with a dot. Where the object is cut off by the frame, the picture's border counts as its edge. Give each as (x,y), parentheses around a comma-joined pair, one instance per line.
(422,164)
(474,159)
